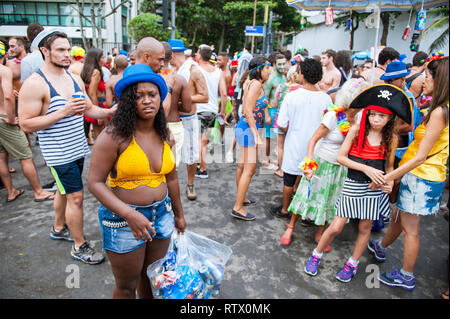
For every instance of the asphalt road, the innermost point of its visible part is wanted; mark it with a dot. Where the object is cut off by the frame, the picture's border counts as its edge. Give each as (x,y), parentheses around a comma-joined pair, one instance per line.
(34,266)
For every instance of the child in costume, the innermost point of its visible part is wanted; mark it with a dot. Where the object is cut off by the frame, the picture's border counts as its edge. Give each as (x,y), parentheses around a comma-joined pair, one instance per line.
(325,184)
(368,152)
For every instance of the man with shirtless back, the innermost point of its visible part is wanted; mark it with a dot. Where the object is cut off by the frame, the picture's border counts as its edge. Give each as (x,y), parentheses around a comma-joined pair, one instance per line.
(386,56)
(415,79)
(189,69)
(331,75)
(13,139)
(46,106)
(178,100)
(222,64)
(120,64)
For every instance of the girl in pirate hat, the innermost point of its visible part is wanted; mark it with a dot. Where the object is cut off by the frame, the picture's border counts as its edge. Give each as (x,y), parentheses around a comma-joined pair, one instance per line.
(368,152)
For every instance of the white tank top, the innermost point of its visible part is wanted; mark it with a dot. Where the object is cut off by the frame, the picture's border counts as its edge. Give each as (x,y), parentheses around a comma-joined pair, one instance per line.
(185,69)
(212,82)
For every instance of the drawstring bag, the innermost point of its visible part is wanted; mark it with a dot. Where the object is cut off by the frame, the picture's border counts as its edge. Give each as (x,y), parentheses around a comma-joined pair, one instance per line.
(193,268)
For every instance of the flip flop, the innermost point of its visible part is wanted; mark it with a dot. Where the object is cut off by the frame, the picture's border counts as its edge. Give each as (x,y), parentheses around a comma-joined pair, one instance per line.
(280,175)
(45,199)
(21,191)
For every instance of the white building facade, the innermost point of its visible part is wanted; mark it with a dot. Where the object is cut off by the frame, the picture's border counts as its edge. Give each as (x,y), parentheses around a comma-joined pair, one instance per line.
(15,16)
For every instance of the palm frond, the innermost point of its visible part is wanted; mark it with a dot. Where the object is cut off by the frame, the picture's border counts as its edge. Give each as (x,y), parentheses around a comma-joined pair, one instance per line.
(437,12)
(440,42)
(438,24)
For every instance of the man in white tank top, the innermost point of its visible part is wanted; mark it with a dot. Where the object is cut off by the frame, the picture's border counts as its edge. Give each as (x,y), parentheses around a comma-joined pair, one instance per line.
(190,70)
(207,112)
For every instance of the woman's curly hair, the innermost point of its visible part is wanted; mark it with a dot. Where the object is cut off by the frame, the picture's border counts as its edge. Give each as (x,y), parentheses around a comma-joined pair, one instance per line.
(123,122)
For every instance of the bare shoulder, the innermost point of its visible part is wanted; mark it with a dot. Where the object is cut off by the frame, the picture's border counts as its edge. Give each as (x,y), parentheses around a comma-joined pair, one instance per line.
(34,84)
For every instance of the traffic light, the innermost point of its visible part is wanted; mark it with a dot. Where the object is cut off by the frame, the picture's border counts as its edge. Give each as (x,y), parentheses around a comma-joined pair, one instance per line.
(414,43)
(162,11)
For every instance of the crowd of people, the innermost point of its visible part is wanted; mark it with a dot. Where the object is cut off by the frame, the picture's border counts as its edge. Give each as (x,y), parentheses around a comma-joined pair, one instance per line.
(366,142)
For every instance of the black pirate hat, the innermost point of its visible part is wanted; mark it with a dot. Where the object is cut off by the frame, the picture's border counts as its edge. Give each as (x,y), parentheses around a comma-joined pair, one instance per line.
(383,98)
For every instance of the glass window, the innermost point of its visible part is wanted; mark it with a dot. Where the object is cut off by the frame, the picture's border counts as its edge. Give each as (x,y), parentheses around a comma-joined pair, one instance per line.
(30,18)
(42,20)
(30,8)
(8,7)
(18,7)
(53,20)
(70,21)
(65,9)
(52,8)
(41,8)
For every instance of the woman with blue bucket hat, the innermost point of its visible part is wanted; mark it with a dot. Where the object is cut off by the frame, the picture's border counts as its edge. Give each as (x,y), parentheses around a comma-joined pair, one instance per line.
(135,214)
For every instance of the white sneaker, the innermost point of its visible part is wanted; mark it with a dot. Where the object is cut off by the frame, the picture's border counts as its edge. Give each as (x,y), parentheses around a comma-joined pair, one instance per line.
(229,158)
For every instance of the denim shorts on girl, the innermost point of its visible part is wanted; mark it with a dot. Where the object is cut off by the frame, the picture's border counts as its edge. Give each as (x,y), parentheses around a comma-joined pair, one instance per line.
(116,233)
(243,133)
(419,196)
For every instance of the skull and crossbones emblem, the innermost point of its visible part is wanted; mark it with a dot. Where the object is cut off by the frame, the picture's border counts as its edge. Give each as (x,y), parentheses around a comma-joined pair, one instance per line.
(385,94)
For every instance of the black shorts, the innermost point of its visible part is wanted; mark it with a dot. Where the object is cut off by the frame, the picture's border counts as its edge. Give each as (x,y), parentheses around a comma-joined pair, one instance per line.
(289,179)
(207,120)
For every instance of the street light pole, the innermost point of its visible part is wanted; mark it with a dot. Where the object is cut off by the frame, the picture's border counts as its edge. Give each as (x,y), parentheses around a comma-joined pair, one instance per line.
(173,18)
(254,23)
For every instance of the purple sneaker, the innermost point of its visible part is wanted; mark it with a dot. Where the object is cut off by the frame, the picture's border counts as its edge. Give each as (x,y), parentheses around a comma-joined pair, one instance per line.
(312,265)
(378,252)
(347,272)
(396,279)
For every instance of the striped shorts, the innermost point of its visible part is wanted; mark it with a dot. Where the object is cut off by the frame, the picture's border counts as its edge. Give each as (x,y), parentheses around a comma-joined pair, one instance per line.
(358,201)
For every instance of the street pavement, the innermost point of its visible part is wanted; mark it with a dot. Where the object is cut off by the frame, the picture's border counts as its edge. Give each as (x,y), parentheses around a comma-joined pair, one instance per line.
(34,266)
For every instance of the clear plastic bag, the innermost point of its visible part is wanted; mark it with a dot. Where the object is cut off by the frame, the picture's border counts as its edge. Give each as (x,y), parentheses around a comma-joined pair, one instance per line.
(193,268)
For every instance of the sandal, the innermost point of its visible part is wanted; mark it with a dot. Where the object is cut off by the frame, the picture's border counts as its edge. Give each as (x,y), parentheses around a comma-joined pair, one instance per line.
(284,240)
(445,295)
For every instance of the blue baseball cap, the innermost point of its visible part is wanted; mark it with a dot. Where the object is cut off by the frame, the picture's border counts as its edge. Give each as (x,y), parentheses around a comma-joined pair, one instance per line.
(395,70)
(140,73)
(177,45)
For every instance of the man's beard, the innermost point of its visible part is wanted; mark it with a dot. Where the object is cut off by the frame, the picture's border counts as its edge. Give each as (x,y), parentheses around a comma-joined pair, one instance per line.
(59,65)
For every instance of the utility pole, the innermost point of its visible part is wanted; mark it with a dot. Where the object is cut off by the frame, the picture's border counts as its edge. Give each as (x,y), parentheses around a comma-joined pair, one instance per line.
(173,18)
(266,13)
(254,23)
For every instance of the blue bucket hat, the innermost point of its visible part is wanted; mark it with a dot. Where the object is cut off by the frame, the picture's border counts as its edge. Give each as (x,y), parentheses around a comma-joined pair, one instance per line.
(395,70)
(140,73)
(177,45)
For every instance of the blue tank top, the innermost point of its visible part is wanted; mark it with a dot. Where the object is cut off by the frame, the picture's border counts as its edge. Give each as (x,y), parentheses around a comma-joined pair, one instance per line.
(64,141)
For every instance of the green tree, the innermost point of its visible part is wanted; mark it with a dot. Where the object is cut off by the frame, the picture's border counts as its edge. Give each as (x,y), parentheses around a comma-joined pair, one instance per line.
(222,22)
(145,25)
(441,23)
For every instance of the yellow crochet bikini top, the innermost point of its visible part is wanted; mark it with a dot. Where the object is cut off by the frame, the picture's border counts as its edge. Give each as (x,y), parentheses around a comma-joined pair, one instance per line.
(133,168)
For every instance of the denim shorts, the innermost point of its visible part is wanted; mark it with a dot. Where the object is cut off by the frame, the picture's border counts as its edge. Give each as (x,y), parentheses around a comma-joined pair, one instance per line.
(116,233)
(419,196)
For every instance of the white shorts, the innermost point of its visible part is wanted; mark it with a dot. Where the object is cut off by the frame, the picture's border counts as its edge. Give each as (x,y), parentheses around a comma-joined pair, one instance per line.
(178,134)
(190,150)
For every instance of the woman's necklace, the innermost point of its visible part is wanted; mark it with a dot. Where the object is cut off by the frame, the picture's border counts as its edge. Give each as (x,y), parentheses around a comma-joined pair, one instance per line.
(341,117)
